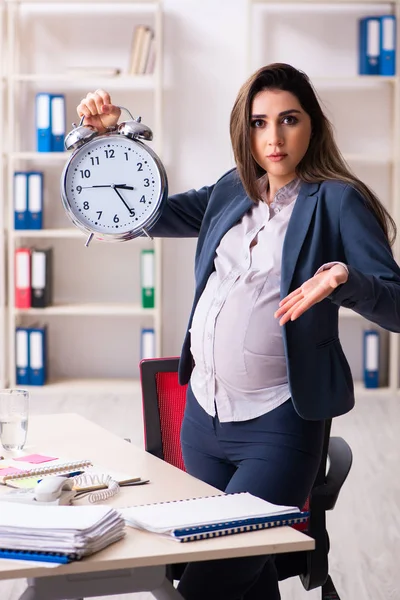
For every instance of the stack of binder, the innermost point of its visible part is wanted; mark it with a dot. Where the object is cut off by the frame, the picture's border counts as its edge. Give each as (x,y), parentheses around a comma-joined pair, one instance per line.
(33,277)
(377,45)
(50,122)
(30,355)
(57,534)
(28,200)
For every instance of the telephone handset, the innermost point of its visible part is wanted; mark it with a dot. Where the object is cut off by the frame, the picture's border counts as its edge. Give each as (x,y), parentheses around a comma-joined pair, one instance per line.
(50,491)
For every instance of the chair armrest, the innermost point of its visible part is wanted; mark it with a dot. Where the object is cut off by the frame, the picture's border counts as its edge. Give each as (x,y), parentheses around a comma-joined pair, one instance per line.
(340,461)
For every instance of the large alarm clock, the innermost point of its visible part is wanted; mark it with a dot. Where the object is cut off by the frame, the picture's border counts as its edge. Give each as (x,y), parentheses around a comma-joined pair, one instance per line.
(113,185)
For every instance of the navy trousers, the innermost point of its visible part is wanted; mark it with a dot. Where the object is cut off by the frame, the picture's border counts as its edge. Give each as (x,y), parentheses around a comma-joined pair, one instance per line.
(275,457)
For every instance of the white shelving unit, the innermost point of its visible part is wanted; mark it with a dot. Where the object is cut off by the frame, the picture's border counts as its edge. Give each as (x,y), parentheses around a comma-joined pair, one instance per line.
(361,157)
(3,242)
(93,315)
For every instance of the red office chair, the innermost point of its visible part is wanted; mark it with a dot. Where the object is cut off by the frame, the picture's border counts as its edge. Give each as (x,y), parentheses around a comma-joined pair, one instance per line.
(163,407)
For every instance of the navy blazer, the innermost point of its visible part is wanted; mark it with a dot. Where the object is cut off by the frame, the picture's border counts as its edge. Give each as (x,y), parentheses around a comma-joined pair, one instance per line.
(330,222)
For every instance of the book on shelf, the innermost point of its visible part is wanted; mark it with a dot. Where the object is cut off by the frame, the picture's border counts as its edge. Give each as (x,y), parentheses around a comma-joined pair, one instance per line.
(96,71)
(142,57)
(212,516)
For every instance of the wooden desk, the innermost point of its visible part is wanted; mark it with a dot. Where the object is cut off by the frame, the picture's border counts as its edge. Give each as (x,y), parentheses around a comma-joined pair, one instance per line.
(136,563)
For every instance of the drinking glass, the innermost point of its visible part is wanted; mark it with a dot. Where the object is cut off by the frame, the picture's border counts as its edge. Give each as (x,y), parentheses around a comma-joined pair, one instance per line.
(14,406)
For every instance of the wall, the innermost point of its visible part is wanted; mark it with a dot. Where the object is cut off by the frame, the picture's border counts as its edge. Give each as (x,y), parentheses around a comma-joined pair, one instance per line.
(205,48)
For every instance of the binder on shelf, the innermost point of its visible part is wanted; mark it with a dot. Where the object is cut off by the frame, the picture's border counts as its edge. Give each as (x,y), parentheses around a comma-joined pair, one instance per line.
(43,122)
(388,45)
(20,200)
(22,356)
(371,358)
(369,45)
(22,278)
(147,343)
(57,112)
(41,277)
(37,356)
(147,276)
(35,200)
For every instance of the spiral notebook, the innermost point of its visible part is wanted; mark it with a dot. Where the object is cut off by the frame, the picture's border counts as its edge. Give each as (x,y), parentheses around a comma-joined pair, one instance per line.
(212,516)
(21,473)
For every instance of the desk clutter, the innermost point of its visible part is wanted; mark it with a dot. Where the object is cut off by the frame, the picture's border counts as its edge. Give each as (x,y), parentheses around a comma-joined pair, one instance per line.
(57,534)
(212,516)
(27,476)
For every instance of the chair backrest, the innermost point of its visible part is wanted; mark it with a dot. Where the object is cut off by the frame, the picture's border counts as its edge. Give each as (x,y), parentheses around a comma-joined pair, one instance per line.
(163,407)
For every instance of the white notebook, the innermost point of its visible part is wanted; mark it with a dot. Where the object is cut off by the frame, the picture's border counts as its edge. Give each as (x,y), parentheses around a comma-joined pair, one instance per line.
(225,513)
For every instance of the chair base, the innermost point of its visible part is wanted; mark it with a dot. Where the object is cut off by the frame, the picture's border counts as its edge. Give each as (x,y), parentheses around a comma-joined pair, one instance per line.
(328,591)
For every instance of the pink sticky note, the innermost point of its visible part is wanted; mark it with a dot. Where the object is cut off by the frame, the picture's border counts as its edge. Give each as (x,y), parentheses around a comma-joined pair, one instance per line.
(9,471)
(36,459)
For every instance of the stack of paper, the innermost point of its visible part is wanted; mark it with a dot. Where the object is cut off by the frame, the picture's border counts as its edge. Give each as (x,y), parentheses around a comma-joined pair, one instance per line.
(198,518)
(72,531)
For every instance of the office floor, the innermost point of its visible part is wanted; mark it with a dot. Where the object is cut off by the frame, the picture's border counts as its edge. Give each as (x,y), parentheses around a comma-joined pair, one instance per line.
(365,525)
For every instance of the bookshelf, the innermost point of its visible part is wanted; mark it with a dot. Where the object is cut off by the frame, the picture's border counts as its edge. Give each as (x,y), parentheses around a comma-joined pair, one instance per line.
(94,323)
(373,155)
(3,293)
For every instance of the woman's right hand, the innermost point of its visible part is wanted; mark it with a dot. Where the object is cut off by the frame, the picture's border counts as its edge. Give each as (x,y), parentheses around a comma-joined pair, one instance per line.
(98,110)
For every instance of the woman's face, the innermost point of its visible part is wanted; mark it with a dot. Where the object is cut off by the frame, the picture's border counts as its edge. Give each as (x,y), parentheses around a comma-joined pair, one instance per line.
(280,134)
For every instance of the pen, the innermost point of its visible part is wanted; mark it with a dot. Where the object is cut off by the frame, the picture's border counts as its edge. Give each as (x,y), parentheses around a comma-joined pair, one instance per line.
(73,474)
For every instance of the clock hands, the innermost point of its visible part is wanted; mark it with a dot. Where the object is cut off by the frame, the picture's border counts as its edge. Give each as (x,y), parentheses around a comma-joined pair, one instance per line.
(121,186)
(115,188)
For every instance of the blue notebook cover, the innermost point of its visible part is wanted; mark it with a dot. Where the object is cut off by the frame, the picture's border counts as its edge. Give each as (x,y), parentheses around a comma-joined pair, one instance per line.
(191,534)
(52,557)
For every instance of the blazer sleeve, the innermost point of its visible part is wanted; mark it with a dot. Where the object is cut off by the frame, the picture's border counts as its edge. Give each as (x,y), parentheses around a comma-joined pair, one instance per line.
(373,286)
(183,214)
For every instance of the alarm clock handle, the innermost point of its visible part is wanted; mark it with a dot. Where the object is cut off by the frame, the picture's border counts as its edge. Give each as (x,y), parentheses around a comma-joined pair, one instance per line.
(114,127)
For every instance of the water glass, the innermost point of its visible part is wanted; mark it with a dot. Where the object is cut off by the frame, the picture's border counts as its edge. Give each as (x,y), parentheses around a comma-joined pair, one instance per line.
(14,405)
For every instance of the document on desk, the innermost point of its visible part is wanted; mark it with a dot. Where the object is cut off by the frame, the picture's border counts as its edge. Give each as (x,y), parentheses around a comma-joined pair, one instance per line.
(56,533)
(212,516)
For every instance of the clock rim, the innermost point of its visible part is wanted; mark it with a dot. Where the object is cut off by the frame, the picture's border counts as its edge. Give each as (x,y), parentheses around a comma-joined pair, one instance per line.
(139,231)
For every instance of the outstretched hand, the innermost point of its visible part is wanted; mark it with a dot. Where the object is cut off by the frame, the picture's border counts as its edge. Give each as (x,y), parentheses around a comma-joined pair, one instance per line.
(98,110)
(312,291)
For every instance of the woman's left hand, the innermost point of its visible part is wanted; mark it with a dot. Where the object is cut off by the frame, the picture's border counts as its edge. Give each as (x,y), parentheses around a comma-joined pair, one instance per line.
(312,291)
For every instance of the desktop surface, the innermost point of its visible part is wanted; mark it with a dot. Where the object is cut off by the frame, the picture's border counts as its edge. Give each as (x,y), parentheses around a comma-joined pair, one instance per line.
(71,437)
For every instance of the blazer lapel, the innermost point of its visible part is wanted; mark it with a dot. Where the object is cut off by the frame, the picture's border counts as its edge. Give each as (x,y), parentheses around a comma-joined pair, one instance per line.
(296,232)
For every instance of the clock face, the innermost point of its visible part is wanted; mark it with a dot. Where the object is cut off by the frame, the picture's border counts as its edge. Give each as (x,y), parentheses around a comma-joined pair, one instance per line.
(113,185)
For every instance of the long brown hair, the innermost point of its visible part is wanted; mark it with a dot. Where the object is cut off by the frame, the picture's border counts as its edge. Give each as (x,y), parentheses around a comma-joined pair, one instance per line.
(322,161)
